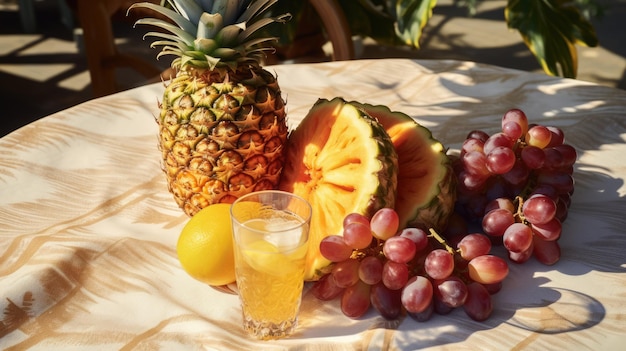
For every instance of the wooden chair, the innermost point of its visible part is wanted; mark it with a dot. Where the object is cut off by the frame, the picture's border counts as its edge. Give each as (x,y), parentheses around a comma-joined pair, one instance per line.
(337,28)
(310,37)
(103,56)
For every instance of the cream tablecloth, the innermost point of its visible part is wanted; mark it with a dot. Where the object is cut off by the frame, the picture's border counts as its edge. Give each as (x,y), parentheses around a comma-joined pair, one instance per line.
(88,229)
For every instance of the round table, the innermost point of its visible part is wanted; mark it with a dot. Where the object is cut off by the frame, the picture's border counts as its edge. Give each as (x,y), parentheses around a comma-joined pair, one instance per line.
(88,228)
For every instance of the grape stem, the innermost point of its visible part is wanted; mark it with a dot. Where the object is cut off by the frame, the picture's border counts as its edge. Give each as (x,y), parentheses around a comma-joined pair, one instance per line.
(375,249)
(519,214)
(441,240)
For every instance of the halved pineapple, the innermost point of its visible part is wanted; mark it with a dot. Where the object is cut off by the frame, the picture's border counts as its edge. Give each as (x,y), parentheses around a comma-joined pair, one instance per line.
(342,161)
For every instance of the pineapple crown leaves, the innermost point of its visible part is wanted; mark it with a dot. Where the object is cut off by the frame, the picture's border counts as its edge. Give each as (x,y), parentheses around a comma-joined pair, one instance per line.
(211,33)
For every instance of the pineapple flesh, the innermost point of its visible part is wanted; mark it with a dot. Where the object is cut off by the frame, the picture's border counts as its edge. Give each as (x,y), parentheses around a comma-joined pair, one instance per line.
(222,121)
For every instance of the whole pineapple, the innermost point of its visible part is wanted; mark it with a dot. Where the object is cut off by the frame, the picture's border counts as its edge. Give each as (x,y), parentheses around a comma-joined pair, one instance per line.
(222,125)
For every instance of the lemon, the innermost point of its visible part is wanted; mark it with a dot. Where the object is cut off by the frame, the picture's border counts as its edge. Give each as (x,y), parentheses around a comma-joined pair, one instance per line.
(265,257)
(205,246)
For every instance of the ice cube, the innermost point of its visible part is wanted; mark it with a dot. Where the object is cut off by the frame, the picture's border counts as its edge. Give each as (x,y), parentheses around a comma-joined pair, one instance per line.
(283,237)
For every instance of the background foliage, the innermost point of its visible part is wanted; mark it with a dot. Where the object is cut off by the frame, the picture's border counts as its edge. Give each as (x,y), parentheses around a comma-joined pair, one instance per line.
(551,29)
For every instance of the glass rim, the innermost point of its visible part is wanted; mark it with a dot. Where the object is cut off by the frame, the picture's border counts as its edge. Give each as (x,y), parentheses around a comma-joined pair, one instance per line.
(305,220)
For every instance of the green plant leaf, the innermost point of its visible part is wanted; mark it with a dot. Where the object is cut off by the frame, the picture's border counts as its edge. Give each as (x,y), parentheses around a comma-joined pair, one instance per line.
(412,17)
(392,22)
(550,29)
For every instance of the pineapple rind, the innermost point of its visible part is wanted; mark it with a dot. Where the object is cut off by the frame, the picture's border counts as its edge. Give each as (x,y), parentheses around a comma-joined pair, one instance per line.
(435,208)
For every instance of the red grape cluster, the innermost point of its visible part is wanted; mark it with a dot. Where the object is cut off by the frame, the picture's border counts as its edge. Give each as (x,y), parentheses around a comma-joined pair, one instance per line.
(517,184)
(394,270)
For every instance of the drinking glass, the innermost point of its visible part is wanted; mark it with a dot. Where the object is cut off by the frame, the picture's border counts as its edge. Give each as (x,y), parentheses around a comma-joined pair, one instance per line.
(271,230)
